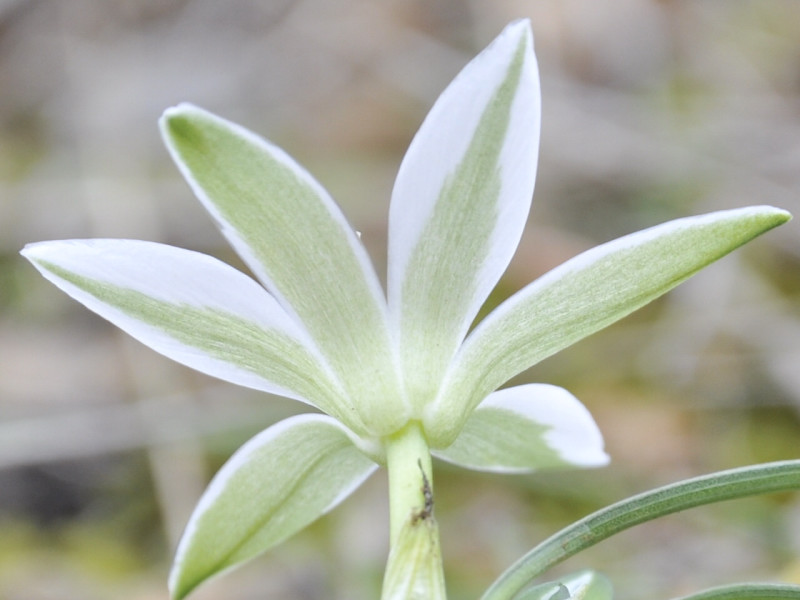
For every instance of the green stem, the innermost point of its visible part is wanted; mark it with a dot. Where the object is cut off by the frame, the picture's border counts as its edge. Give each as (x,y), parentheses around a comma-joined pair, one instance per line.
(725,485)
(408,460)
(414,570)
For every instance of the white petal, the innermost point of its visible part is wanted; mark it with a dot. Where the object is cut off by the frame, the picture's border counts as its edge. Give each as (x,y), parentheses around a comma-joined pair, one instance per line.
(195,310)
(584,295)
(272,487)
(526,428)
(296,240)
(460,204)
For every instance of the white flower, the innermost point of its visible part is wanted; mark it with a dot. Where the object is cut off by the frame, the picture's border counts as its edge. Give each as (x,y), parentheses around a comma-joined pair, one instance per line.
(318,327)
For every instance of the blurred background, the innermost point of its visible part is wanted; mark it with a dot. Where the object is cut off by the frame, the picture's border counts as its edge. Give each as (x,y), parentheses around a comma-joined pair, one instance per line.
(652,111)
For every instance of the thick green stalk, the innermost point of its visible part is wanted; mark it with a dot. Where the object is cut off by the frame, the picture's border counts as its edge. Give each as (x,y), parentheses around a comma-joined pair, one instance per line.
(408,460)
(414,570)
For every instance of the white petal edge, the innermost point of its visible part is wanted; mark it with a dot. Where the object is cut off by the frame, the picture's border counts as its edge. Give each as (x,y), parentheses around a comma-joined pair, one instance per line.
(175,276)
(439,146)
(523,331)
(571,431)
(333,293)
(278,154)
(239,461)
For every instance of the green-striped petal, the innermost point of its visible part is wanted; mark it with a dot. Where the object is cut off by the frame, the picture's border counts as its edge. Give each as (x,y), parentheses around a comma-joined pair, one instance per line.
(460,203)
(196,310)
(297,242)
(527,428)
(271,488)
(582,296)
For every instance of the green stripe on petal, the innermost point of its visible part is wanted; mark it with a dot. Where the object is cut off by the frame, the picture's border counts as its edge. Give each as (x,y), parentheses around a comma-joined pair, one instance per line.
(296,240)
(582,296)
(460,204)
(197,311)
(272,487)
(527,428)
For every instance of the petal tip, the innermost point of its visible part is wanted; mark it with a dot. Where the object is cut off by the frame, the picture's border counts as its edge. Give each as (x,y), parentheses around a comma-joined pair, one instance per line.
(518,28)
(783,215)
(34,251)
(180,109)
(521,24)
(28,250)
(172,118)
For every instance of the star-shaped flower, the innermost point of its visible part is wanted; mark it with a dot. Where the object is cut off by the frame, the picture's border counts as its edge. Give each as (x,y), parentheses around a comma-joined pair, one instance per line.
(318,327)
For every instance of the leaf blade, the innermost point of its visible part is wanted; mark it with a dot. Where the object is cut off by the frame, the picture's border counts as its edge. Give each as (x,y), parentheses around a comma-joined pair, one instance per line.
(683,495)
(747,591)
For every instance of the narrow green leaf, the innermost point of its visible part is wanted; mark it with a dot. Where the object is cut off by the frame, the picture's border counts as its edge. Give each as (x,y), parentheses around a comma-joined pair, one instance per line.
(748,591)
(295,239)
(272,487)
(460,203)
(582,296)
(725,485)
(527,428)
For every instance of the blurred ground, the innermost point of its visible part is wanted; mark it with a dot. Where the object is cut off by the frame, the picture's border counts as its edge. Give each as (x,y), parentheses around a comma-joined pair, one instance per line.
(652,110)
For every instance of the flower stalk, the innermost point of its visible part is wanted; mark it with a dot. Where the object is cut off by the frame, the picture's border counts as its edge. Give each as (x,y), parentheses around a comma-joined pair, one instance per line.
(414,568)
(408,461)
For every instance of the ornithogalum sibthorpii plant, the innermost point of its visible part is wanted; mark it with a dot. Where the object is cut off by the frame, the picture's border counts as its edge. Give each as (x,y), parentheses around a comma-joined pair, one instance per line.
(399,377)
